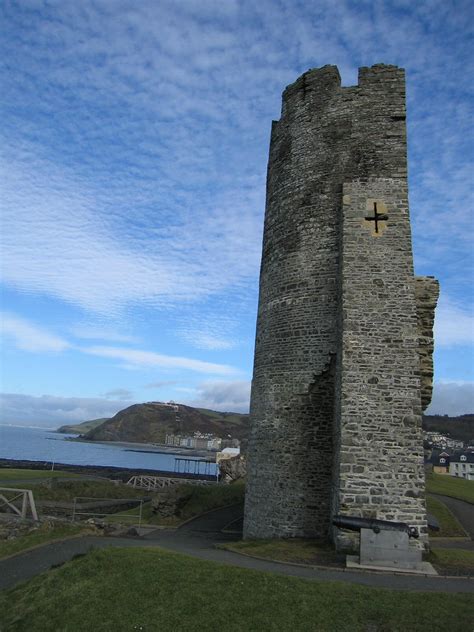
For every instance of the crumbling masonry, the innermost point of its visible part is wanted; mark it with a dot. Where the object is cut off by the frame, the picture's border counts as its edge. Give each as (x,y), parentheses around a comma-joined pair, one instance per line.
(343,357)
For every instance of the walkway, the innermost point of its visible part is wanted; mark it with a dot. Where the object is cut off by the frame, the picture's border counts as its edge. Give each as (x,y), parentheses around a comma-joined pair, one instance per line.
(197,538)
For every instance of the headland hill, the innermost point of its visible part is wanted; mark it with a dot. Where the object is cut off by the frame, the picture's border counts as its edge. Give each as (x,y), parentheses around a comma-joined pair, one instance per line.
(167,425)
(154,422)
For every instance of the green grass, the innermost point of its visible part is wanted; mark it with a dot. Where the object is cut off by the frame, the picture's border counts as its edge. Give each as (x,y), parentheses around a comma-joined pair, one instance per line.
(65,491)
(156,590)
(298,551)
(8,474)
(452,561)
(450,486)
(44,534)
(312,552)
(132,516)
(206,497)
(203,498)
(449,526)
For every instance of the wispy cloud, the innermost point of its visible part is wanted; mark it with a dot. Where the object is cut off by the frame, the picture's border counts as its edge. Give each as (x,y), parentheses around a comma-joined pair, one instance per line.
(161,384)
(91,331)
(139,358)
(159,117)
(134,151)
(214,330)
(454,324)
(49,410)
(30,337)
(121,394)
(233,396)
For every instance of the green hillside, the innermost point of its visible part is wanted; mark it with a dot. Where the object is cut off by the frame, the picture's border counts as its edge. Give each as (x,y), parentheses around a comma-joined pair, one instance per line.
(83,427)
(461,427)
(152,421)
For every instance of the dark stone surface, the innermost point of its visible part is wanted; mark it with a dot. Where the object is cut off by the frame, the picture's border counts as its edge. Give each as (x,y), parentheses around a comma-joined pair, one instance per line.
(336,403)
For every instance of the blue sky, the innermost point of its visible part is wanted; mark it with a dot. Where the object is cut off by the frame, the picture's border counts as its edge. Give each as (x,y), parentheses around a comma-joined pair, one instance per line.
(134,149)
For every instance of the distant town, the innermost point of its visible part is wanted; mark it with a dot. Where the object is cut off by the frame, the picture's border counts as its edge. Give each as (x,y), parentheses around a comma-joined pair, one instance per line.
(201,441)
(449,456)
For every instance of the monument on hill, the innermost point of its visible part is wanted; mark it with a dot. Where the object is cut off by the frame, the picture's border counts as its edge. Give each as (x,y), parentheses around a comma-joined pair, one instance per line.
(343,357)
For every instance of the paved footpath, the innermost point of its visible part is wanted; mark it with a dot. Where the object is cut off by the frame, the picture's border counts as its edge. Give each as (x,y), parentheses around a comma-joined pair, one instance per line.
(197,538)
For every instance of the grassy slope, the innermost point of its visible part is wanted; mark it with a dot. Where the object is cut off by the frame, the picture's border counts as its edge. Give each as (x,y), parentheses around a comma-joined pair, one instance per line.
(297,551)
(203,498)
(44,534)
(447,561)
(449,526)
(83,427)
(10,473)
(450,486)
(65,491)
(453,561)
(143,589)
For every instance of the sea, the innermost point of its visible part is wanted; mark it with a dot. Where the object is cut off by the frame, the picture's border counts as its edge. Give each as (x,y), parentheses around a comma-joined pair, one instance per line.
(46,445)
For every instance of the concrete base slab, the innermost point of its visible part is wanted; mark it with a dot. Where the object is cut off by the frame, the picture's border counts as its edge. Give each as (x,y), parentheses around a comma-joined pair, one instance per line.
(424,568)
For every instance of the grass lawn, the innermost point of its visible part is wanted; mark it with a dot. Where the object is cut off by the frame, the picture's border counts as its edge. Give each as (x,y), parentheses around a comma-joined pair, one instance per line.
(10,473)
(206,497)
(155,590)
(312,552)
(449,526)
(40,536)
(450,486)
(452,561)
(67,490)
(296,550)
(203,498)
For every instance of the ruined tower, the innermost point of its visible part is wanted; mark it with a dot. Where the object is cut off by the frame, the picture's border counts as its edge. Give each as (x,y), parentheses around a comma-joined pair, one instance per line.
(344,328)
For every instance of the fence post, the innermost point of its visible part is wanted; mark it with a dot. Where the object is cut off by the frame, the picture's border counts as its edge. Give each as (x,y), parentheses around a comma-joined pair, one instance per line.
(74,510)
(140,516)
(34,513)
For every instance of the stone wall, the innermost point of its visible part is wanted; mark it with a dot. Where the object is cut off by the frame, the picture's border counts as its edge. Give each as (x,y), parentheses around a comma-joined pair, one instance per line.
(426,294)
(379,471)
(317,255)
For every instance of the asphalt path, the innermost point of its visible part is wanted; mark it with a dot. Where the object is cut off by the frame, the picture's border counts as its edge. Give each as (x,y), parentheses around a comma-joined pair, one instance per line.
(198,538)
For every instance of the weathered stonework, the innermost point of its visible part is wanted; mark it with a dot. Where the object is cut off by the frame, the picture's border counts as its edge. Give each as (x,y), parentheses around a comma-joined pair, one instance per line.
(335,405)
(426,294)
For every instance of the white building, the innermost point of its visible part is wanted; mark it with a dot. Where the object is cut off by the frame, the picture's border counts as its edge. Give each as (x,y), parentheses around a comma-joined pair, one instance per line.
(462,465)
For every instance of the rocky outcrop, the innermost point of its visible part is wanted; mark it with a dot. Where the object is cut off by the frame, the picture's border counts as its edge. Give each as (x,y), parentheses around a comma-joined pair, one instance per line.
(169,502)
(426,294)
(232,469)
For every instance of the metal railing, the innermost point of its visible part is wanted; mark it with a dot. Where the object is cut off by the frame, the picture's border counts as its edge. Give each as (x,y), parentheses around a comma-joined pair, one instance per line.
(101,503)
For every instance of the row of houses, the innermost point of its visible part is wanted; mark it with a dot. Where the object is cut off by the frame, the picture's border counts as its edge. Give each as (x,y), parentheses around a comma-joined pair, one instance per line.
(454,463)
(200,441)
(439,440)
(197,441)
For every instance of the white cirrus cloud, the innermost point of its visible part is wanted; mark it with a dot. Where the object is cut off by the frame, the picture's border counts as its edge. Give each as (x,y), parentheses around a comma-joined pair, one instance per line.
(53,411)
(454,324)
(148,359)
(227,396)
(91,331)
(121,394)
(29,336)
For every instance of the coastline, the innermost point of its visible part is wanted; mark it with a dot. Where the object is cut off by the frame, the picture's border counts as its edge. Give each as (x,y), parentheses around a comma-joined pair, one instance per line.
(106,471)
(151,447)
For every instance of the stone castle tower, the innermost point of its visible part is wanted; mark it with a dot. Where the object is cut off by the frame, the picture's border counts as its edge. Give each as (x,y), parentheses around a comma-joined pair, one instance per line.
(343,357)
